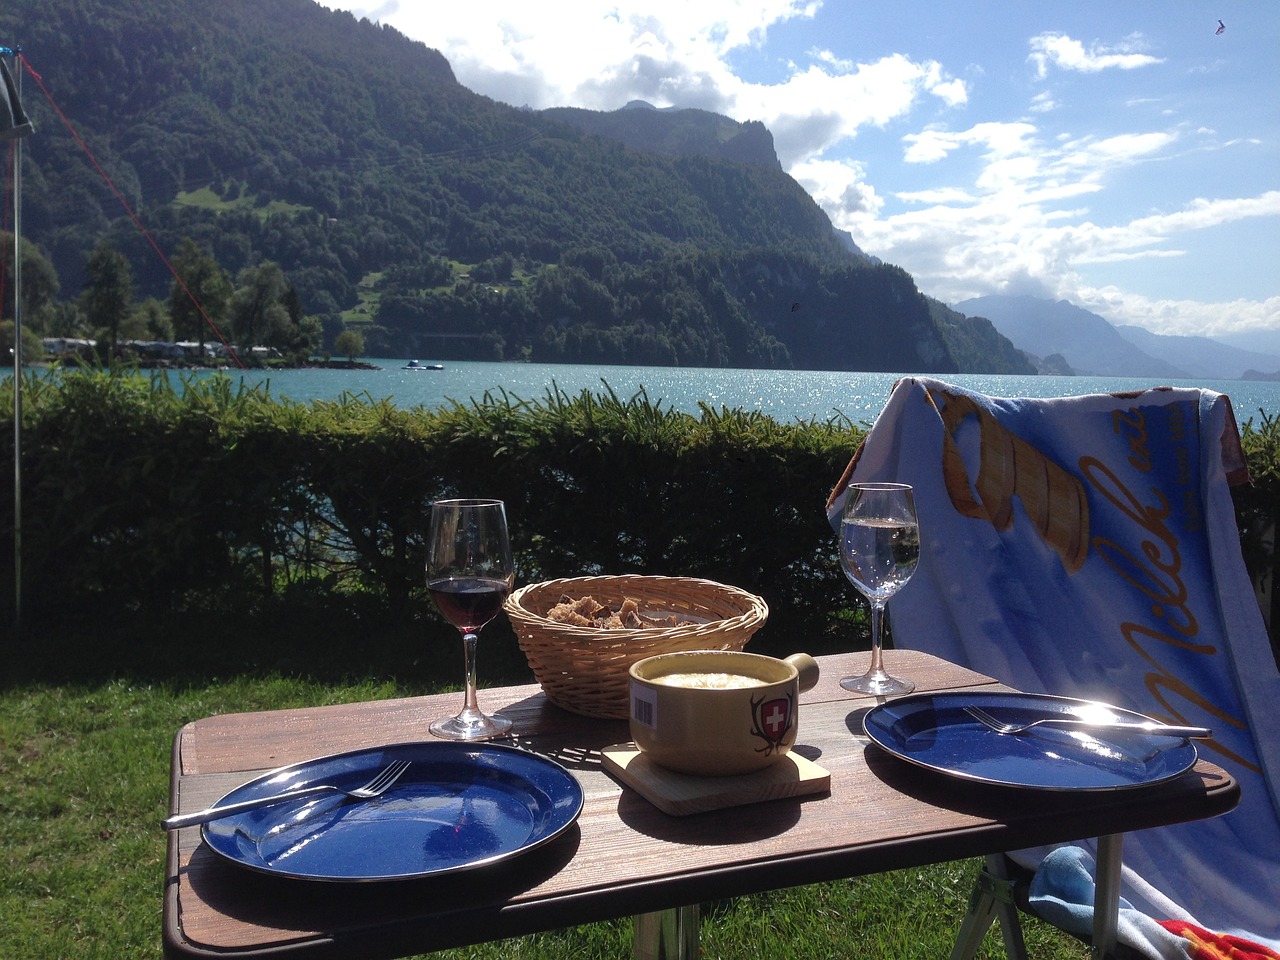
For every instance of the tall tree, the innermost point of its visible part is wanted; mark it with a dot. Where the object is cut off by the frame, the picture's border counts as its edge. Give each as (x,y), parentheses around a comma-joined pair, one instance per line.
(202,297)
(259,311)
(108,293)
(39,282)
(349,343)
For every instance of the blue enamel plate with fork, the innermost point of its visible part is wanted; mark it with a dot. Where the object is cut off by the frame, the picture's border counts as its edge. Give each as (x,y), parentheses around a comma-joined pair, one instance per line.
(937,731)
(458,806)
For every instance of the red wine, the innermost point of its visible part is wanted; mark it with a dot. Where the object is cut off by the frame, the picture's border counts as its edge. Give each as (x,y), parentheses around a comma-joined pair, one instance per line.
(469,602)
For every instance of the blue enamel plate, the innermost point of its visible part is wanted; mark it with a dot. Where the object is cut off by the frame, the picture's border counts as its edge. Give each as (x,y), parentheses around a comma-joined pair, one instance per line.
(459,806)
(934,731)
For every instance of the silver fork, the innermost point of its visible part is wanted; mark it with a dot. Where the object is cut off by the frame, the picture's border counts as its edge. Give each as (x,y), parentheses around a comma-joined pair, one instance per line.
(1149,727)
(374,788)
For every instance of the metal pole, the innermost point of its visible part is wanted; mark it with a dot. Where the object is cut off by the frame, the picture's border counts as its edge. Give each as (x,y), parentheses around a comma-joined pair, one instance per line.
(666,935)
(17,386)
(1106,896)
(17,372)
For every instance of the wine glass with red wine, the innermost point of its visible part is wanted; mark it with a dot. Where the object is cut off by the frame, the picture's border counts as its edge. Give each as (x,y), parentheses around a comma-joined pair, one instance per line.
(469,575)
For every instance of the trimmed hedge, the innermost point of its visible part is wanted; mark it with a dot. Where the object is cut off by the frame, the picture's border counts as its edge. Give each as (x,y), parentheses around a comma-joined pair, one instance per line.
(139,494)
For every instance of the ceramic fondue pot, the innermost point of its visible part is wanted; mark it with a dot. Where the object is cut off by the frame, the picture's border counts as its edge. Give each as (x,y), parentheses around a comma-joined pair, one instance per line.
(717,712)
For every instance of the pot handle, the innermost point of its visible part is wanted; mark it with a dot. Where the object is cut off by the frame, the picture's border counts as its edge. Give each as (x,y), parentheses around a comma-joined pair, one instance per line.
(808,669)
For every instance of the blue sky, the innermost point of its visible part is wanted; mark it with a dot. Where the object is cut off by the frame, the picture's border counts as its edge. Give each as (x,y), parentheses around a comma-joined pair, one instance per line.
(1122,156)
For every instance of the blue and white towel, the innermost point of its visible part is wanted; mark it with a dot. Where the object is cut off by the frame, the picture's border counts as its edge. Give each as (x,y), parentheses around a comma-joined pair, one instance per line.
(1087,547)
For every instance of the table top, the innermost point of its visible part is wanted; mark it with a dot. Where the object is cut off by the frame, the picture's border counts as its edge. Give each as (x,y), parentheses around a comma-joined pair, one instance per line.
(624,856)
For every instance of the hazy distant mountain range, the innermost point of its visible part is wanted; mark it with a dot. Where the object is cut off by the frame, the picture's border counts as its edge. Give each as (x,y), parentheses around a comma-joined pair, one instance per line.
(1090,344)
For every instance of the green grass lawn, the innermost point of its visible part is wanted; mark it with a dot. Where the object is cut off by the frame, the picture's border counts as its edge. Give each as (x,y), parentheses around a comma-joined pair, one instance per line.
(87,718)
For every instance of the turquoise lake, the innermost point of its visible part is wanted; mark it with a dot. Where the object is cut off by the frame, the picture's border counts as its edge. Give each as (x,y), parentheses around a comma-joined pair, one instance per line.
(785,395)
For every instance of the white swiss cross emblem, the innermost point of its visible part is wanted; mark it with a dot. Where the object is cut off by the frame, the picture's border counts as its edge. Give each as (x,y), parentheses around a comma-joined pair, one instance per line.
(771,721)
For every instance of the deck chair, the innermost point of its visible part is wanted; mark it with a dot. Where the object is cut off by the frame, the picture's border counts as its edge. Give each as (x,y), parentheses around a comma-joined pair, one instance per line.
(1087,547)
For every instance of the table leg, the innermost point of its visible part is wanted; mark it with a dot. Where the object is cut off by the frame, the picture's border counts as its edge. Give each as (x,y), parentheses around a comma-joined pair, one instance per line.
(1106,896)
(666,935)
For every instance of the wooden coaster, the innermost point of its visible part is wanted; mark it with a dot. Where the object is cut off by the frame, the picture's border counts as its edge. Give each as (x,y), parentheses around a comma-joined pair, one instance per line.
(680,794)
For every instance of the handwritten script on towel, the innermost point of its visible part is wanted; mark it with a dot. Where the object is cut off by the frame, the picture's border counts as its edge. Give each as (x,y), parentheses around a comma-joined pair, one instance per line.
(1146,553)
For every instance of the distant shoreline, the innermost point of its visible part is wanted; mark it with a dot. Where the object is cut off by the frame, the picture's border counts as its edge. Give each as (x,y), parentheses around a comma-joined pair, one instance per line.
(150,363)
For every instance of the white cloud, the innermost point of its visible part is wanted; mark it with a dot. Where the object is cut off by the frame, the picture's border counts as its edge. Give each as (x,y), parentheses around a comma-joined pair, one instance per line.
(963,246)
(1001,140)
(1006,228)
(1043,102)
(1138,238)
(839,64)
(1057,49)
(1179,317)
(590,54)
(839,187)
(1091,159)
(938,196)
(1202,213)
(825,103)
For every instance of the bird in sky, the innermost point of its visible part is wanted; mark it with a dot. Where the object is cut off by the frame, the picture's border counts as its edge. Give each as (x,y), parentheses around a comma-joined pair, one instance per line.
(1221,26)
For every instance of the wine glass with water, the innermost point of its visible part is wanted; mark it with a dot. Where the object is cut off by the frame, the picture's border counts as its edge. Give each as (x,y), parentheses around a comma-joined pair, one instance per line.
(469,575)
(879,547)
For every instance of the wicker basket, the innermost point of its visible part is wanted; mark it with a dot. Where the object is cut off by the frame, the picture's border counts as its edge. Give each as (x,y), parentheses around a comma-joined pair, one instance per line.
(584,669)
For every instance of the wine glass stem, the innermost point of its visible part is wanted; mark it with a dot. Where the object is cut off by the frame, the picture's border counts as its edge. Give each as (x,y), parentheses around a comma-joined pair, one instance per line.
(877,656)
(471,707)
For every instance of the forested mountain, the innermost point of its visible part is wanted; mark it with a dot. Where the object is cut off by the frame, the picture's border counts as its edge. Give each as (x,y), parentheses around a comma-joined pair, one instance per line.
(436,221)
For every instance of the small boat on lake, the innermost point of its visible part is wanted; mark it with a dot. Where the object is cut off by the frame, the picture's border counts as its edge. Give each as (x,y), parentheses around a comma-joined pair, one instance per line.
(416,365)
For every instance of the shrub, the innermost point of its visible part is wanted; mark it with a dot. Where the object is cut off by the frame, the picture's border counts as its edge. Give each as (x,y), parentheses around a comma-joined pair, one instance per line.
(139,494)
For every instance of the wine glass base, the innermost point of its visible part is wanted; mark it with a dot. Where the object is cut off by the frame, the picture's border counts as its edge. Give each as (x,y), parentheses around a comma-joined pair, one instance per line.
(472,728)
(880,685)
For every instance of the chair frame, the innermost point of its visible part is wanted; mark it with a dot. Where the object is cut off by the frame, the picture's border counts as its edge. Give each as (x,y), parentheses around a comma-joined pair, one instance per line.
(996,897)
